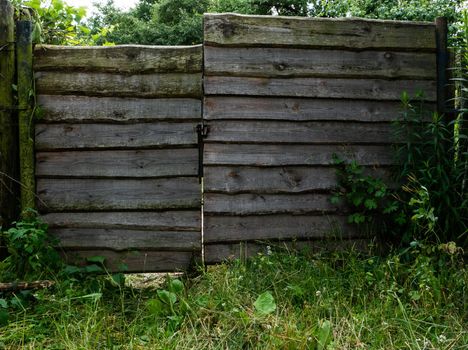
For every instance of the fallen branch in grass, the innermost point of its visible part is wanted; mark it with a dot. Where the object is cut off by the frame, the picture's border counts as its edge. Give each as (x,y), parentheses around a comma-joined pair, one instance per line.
(15,286)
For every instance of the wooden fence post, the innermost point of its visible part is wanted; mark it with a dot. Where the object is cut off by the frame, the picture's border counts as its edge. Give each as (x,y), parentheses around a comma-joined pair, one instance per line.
(443,88)
(8,132)
(25,114)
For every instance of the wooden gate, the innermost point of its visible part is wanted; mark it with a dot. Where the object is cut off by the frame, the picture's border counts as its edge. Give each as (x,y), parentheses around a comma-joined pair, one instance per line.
(282,95)
(116,152)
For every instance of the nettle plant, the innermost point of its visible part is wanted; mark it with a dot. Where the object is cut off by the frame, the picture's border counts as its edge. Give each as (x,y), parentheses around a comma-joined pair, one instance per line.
(31,249)
(369,200)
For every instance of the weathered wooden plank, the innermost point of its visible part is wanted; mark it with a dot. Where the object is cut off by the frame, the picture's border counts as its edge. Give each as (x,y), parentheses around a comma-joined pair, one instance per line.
(106,194)
(9,191)
(57,108)
(372,89)
(351,33)
(245,179)
(177,220)
(113,239)
(301,109)
(121,58)
(314,132)
(217,253)
(79,136)
(260,204)
(135,261)
(279,155)
(249,228)
(118,85)
(287,62)
(119,163)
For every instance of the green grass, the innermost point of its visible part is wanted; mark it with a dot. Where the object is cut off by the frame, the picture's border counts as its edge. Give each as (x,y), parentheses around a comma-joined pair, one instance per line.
(415,300)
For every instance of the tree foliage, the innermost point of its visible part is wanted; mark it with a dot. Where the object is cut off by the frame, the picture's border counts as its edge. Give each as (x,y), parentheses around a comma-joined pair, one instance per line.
(179,22)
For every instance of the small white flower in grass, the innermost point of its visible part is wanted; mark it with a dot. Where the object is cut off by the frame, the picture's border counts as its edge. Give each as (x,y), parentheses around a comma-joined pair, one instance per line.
(318,293)
(268,250)
(441,338)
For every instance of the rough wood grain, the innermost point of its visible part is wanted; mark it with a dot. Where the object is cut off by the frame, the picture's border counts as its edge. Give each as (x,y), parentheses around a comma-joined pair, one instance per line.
(260,204)
(74,109)
(121,58)
(81,136)
(118,163)
(113,239)
(217,253)
(287,62)
(372,89)
(235,131)
(176,220)
(104,194)
(136,261)
(249,228)
(301,109)
(351,33)
(118,85)
(8,123)
(279,155)
(246,179)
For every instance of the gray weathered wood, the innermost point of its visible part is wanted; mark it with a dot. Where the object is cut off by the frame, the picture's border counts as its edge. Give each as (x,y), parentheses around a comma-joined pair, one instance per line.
(135,261)
(119,163)
(95,238)
(72,109)
(301,109)
(79,136)
(121,58)
(118,85)
(217,253)
(259,204)
(250,228)
(352,33)
(315,132)
(246,179)
(372,89)
(176,220)
(104,194)
(24,81)
(286,62)
(278,155)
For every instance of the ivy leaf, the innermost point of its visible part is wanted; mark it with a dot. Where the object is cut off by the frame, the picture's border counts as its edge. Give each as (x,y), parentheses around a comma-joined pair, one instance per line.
(265,304)
(3,303)
(3,317)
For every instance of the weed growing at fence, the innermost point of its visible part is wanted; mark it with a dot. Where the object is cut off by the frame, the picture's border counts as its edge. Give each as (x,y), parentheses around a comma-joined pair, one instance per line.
(413,300)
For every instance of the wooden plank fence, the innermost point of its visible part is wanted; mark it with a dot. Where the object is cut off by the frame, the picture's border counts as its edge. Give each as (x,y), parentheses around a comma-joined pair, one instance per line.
(117,157)
(282,95)
(120,149)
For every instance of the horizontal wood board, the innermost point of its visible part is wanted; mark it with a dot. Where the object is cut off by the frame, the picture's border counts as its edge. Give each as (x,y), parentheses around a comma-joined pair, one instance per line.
(350,33)
(135,260)
(85,109)
(121,58)
(371,89)
(290,62)
(102,136)
(118,163)
(282,96)
(216,253)
(119,85)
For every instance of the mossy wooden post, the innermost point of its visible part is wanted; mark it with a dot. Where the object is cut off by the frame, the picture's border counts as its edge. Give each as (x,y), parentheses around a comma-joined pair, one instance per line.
(8,142)
(25,114)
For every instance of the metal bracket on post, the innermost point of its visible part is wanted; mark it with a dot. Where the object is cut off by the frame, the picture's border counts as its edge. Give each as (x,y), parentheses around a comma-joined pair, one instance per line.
(202,133)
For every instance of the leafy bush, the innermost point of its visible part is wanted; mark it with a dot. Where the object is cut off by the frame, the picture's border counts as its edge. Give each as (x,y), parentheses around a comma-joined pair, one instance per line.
(31,250)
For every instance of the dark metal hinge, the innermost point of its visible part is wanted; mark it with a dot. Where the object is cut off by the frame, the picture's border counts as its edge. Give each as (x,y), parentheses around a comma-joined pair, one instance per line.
(202,133)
